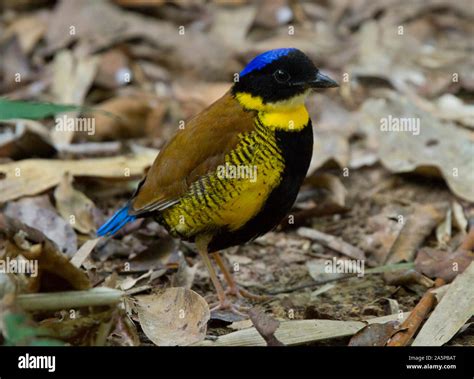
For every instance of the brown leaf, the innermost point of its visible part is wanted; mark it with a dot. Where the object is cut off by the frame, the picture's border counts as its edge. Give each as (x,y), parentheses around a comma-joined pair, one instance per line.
(27,139)
(316,269)
(416,228)
(114,70)
(176,316)
(124,332)
(14,65)
(32,176)
(79,330)
(74,206)
(266,326)
(333,242)
(29,30)
(336,192)
(126,118)
(184,276)
(383,230)
(72,78)
(273,13)
(407,278)
(375,334)
(52,264)
(38,213)
(442,264)
(102,24)
(436,148)
(155,256)
(453,311)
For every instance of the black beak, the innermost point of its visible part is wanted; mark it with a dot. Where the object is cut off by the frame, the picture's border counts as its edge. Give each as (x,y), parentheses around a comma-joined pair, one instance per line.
(322,81)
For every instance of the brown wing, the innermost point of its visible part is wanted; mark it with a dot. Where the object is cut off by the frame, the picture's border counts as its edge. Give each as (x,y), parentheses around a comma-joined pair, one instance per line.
(193,152)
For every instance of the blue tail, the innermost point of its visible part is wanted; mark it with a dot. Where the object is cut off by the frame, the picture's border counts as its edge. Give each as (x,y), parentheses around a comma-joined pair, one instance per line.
(116,222)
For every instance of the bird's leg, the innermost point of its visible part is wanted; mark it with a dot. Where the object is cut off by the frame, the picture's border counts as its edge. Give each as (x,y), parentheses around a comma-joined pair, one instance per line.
(233,287)
(224,303)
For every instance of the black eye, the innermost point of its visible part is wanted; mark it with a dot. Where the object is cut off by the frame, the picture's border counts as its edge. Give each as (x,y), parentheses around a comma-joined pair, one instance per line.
(281,76)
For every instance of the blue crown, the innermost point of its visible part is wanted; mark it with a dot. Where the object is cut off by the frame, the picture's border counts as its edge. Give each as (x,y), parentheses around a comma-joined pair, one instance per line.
(260,61)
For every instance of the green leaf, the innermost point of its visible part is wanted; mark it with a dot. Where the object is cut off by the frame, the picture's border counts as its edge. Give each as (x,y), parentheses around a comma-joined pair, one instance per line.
(31,110)
(16,329)
(18,332)
(12,109)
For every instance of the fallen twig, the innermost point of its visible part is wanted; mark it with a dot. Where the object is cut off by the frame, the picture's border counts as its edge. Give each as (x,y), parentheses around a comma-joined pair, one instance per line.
(416,318)
(332,242)
(69,299)
(374,270)
(452,312)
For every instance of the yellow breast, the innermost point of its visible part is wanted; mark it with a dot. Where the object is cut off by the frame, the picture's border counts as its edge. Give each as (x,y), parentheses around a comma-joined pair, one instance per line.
(235,192)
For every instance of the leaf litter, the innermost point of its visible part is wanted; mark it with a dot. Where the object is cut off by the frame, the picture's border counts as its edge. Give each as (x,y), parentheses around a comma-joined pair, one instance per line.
(398,201)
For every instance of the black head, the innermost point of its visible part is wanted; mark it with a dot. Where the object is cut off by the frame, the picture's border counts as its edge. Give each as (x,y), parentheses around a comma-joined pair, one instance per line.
(281,74)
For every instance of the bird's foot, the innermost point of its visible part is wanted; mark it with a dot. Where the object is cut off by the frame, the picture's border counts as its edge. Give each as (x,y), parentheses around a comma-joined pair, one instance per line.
(242,293)
(226,305)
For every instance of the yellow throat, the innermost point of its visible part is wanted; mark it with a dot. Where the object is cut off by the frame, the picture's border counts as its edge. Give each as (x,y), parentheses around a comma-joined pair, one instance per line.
(288,115)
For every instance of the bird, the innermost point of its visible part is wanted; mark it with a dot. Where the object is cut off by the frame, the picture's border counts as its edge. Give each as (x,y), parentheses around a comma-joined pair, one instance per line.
(233,172)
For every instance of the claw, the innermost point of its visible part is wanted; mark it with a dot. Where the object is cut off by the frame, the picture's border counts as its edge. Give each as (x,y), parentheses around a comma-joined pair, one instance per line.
(242,293)
(227,305)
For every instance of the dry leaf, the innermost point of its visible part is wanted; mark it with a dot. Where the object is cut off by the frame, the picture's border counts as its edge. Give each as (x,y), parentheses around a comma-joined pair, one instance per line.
(184,276)
(442,264)
(72,78)
(435,149)
(34,245)
(126,118)
(124,332)
(336,198)
(14,64)
(383,230)
(444,230)
(332,242)
(29,30)
(273,13)
(459,219)
(29,138)
(32,176)
(130,282)
(81,330)
(176,316)
(316,269)
(83,252)
(38,213)
(266,326)
(415,229)
(232,24)
(114,69)
(297,332)
(156,256)
(74,206)
(443,322)
(375,334)
(103,24)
